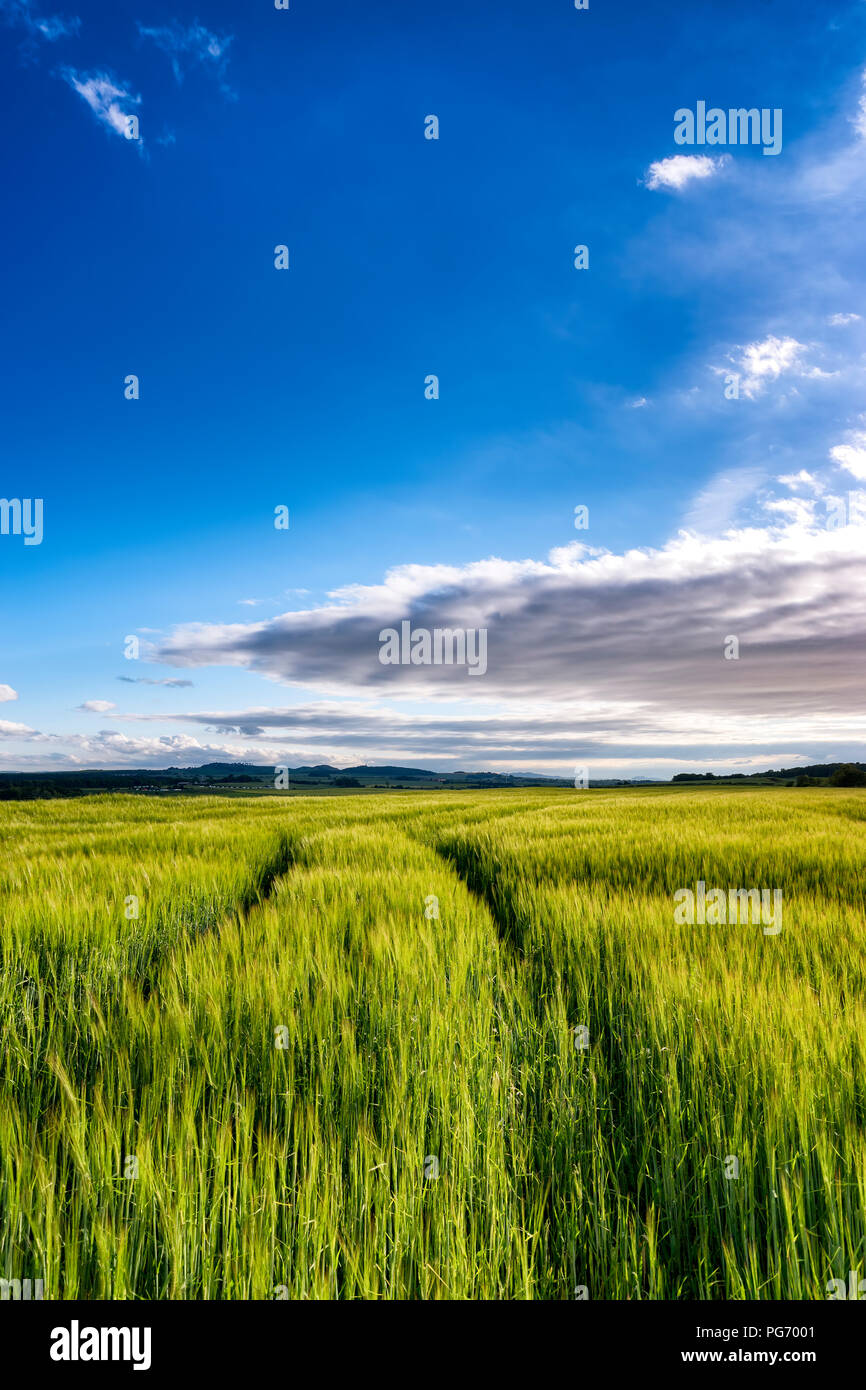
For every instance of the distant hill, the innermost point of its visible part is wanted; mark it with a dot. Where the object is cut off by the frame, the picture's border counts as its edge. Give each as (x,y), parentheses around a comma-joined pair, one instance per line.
(818,771)
(253,779)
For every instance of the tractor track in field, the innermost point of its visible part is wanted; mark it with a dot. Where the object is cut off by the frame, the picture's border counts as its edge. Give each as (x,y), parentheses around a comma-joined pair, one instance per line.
(464,860)
(257,892)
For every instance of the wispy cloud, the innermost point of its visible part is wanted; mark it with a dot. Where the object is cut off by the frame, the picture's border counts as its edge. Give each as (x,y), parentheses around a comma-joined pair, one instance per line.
(20,14)
(192,44)
(858,120)
(105,97)
(716,505)
(97,706)
(679,170)
(146,680)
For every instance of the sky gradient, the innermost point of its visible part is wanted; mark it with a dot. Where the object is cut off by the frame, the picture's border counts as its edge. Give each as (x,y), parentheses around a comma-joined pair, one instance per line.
(711,514)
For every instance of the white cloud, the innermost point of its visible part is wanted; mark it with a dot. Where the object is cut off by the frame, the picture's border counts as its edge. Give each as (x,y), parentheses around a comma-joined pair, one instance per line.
(767,361)
(801,479)
(799,511)
(7,693)
(97,706)
(103,95)
(678,170)
(839,320)
(763,362)
(852,456)
(109,748)
(10,730)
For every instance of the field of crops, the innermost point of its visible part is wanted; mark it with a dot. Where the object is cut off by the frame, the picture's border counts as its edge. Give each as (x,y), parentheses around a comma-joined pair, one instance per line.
(446,1045)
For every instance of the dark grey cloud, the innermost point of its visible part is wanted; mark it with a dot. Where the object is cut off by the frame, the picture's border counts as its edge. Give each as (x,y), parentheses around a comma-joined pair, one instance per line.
(519,739)
(645,630)
(616,662)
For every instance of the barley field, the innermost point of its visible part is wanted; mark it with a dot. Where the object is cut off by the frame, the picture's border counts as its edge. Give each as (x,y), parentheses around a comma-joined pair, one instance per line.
(432,1046)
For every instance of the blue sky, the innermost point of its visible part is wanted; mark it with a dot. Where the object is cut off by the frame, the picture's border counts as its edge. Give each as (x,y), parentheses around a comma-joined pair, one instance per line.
(708,516)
